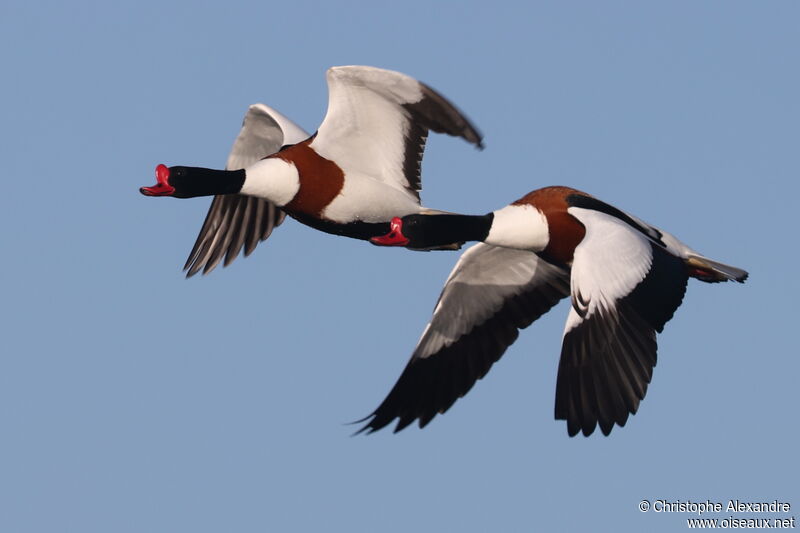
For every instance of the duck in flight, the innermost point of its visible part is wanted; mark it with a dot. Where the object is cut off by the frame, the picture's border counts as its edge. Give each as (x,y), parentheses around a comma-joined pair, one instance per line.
(359,170)
(624,278)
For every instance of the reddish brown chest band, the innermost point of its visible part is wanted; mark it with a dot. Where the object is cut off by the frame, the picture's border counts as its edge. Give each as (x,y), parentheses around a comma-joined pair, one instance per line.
(321,180)
(566,232)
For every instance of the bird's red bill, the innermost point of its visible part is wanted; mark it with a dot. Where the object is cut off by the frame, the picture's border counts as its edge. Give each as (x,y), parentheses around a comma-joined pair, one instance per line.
(395,237)
(162,187)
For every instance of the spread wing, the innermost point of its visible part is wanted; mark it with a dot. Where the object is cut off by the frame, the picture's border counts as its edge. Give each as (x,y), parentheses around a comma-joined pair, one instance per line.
(377,123)
(624,288)
(489,296)
(235,221)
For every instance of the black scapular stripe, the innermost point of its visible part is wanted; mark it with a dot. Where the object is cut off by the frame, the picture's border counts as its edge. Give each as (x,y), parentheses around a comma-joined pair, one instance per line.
(588,202)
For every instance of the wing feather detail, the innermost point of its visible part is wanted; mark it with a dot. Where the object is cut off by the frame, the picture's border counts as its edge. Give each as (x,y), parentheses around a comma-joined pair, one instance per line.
(625,287)
(490,295)
(236,222)
(378,121)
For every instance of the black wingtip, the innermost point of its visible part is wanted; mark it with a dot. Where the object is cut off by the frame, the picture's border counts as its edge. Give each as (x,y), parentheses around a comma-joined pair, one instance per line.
(194,268)
(365,430)
(368,428)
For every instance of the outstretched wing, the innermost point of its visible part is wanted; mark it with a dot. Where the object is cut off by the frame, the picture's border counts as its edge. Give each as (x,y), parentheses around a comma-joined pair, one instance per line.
(624,287)
(377,123)
(489,296)
(236,221)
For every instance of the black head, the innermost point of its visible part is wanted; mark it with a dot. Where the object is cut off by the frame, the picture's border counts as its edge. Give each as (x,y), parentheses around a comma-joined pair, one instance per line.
(420,230)
(189,182)
(432,231)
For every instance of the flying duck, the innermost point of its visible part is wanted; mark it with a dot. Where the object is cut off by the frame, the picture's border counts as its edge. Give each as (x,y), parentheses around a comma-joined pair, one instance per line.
(360,169)
(625,279)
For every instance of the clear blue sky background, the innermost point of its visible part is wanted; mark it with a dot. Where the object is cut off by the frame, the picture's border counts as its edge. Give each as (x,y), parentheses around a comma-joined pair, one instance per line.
(132,400)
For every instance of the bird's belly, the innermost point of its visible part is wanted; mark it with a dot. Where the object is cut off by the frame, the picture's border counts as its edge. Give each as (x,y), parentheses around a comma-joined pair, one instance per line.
(369,200)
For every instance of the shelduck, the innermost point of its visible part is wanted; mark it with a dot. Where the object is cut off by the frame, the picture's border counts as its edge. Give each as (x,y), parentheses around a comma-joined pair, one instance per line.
(358,171)
(625,279)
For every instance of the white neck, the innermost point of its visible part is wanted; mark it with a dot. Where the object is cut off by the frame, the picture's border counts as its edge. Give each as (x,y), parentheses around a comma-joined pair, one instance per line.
(272,179)
(519,226)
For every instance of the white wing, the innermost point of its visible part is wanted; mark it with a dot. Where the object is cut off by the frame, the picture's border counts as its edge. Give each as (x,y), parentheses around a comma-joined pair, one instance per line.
(236,221)
(624,289)
(703,268)
(489,296)
(377,123)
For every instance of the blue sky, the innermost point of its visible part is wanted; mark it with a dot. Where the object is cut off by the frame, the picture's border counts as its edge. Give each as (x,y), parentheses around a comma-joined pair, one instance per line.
(133,400)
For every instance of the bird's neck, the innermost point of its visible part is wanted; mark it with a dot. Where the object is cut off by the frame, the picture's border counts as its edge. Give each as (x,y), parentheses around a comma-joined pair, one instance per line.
(191,182)
(516,226)
(272,179)
(520,226)
(438,230)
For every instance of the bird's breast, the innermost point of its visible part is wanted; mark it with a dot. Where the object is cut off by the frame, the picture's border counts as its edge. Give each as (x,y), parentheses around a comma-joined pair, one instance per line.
(321,180)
